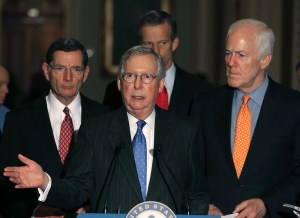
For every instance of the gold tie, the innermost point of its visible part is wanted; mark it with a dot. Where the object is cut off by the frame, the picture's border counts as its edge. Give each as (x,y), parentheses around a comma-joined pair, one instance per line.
(242,136)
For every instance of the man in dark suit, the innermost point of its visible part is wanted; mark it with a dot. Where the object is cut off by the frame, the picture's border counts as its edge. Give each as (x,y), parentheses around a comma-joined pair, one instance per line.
(102,167)
(258,183)
(158,30)
(34,129)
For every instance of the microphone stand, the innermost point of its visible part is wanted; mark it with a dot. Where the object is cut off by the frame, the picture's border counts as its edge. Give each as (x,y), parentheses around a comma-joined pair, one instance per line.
(109,177)
(157,152)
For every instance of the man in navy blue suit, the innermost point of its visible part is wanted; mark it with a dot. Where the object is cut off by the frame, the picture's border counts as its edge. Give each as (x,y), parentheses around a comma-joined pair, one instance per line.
(34,129)
(270,175)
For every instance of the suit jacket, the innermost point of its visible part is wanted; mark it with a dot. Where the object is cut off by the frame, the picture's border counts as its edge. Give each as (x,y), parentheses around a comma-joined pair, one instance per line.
(102,167)
(271,170)
(28,131)
(186,86)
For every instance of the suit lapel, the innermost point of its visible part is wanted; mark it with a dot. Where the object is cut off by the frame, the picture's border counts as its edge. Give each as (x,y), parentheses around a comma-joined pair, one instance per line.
(177,90)
(163,140)
(223,111)
(269,110)
(44,128)
(120,136)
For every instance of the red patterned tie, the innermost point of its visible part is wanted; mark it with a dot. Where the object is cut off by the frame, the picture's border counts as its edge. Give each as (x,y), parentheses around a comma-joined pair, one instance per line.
(162,99)
(66,135)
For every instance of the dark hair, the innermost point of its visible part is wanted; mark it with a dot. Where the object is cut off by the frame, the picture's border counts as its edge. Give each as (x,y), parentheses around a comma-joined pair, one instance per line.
(156,17)
(67,45)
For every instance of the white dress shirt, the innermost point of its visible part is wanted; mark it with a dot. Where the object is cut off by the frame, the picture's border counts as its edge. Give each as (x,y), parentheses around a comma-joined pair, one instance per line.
(56,114)
(148,131)
(169,80)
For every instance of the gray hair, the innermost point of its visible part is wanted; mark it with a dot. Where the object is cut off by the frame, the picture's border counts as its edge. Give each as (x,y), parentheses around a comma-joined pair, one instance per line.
(264,36)
(141,50)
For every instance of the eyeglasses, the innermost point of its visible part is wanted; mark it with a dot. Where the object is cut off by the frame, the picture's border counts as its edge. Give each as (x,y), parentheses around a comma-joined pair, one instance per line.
(131,77)
(62,69)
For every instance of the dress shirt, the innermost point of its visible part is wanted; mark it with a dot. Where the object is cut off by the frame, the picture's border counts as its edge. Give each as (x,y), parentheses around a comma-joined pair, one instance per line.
(254,104)
(3,111)
(56,114)
(148,131)
(169,80)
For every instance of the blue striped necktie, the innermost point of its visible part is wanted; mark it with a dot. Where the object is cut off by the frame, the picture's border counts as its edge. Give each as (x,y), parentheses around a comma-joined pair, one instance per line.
(140,155)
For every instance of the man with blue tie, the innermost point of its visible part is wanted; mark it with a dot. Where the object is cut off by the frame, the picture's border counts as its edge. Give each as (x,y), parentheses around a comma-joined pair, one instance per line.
(158,30)
(134,154)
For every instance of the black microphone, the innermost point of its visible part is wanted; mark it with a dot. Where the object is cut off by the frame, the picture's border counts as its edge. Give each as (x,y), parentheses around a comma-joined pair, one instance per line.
(158,152)
(109,176)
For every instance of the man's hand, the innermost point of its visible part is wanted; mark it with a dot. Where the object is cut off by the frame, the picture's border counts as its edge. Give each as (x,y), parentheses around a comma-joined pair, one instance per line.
(213,210)
(29,176)
(254,207)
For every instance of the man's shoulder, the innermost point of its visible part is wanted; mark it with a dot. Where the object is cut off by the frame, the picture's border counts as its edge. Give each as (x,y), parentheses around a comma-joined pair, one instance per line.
(106,119)
(90,104)
(174,118)
(30,106)
(192,80)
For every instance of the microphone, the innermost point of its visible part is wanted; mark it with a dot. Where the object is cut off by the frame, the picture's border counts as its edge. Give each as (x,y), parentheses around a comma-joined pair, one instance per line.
(158,152)
(109,176)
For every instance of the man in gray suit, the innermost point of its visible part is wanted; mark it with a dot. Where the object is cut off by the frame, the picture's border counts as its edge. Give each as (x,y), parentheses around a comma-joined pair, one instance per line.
(102,167)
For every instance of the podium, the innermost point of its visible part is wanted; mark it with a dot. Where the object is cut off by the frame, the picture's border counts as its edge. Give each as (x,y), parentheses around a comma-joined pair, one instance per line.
(147,209)
(101,215)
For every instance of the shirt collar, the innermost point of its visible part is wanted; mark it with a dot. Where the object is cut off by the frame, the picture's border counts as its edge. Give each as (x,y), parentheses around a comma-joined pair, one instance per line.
(149,121)
(57,107)
(170,76)
(258,94)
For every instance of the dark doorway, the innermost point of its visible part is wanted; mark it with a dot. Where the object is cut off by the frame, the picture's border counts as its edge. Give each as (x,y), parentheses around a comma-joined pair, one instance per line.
(28,28)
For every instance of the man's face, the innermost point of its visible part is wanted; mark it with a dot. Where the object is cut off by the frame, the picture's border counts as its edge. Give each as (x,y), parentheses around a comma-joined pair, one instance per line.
(139,98)
(243,68)
(158,38)
(4,80)
(65,84)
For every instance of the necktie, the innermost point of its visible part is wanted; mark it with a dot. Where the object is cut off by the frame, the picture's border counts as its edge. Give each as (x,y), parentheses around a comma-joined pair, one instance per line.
(162,99)
(140,155)
(66,135)
(242,136)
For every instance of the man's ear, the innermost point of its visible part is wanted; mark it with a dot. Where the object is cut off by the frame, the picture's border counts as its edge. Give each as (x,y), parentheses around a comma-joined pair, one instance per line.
(119,84)
(175,44)
(86,73)
(265,61)
(161,85)
(45,70)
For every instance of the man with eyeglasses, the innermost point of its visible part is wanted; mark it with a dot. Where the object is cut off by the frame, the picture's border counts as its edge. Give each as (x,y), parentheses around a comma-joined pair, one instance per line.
(136,153)
(35,129)
(158,30)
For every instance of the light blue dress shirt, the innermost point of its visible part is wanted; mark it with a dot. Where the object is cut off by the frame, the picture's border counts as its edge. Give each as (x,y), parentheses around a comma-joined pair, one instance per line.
(254,104)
